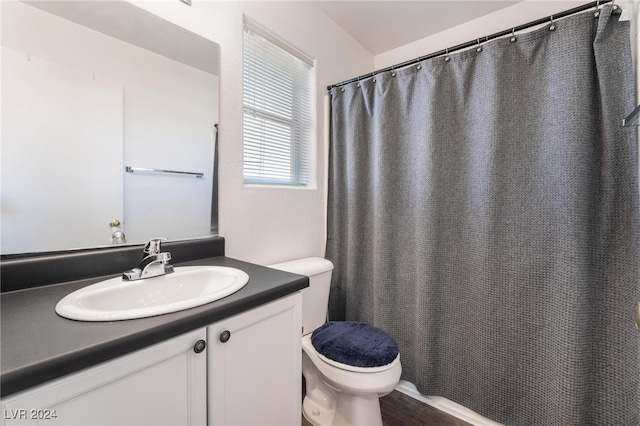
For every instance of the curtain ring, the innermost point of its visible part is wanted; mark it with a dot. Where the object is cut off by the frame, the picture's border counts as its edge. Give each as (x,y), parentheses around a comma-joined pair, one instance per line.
(513,35)
(615,9)
(552,27)
(373,74)
(419,67)
(446,55)
(597,12)
(393,73)
(479,48)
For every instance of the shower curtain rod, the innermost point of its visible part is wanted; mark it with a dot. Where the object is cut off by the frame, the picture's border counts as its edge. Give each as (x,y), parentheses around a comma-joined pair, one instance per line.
(595,4)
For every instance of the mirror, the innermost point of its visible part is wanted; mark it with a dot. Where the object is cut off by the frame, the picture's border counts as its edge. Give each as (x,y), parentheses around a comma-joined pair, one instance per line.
(109,127)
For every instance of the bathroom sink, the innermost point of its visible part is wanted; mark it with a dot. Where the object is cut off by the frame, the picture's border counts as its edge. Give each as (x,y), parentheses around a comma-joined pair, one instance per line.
(116,299)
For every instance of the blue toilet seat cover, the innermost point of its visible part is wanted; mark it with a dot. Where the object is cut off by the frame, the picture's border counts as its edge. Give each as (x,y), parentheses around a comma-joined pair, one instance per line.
(354,343)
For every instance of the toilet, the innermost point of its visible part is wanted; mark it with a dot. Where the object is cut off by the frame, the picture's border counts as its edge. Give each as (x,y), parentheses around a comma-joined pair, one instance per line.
(347,366)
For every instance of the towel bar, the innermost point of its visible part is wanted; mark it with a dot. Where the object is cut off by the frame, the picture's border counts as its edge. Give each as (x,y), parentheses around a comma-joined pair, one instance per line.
(130,169)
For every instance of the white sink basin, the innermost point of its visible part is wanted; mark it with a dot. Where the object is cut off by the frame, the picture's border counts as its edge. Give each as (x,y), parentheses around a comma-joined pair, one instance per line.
(187,287)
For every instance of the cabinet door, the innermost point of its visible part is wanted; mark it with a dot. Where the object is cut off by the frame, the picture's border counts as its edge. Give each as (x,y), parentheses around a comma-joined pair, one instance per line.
(255,376)
(164,384)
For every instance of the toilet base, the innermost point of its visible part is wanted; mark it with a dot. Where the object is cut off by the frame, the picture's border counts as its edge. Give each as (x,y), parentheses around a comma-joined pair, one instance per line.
(325,406)
(350,410)
(316,414)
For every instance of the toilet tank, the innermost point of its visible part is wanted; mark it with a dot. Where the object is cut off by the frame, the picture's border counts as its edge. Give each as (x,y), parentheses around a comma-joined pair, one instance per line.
(315,298)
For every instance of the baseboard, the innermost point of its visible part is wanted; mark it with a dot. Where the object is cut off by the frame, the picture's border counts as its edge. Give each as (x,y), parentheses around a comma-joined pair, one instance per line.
(446,405)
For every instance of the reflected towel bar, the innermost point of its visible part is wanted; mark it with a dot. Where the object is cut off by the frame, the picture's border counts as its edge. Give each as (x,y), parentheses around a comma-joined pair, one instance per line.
(130,169)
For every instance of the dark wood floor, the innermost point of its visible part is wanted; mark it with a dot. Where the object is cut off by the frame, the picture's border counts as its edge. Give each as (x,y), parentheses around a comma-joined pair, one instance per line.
(399,409)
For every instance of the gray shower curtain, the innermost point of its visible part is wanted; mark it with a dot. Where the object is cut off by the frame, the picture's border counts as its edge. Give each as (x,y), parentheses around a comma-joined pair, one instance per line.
(484,212)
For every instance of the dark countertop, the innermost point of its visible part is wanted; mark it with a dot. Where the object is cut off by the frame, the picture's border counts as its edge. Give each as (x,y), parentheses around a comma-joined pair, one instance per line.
(37,345)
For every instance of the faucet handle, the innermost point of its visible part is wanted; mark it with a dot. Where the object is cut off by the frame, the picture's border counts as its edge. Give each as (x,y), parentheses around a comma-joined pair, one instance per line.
(153,246)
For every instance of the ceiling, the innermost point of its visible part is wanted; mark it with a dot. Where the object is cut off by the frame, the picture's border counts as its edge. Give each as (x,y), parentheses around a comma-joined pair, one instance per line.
(384,25)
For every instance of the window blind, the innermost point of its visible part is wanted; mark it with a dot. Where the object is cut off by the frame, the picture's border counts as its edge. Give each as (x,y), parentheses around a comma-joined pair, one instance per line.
(277,101)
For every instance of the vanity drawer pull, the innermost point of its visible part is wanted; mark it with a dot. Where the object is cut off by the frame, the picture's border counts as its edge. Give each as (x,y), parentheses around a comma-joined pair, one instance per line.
(199,346)
(225,336)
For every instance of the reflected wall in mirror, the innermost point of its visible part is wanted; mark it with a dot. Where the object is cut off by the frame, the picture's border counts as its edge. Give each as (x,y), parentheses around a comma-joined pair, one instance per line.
(89,88)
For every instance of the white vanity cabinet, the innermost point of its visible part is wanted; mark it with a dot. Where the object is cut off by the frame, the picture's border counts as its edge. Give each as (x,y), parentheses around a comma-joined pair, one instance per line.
(164,384)
(255,373)
(243,370)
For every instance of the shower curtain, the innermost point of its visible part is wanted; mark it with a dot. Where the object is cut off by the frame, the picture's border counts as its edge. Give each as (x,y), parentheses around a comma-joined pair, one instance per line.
(483,210)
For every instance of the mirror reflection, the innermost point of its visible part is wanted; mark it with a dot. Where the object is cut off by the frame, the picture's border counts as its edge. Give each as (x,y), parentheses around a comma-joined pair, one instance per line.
(91,89)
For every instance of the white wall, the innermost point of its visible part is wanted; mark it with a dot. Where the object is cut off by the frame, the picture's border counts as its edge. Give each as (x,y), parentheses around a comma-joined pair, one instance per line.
(261,224)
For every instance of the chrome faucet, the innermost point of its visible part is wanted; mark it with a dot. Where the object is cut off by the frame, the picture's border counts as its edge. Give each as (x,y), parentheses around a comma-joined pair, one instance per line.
(153,264)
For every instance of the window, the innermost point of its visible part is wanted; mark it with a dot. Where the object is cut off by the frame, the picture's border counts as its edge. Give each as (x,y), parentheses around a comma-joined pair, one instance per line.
(277,98)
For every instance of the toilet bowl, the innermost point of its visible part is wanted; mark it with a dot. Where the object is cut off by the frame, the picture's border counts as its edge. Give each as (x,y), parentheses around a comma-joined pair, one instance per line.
(338,390)
(340,394)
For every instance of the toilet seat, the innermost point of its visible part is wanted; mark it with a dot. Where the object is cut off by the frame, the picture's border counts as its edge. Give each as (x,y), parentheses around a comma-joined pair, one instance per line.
(347,344)
(353,368)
